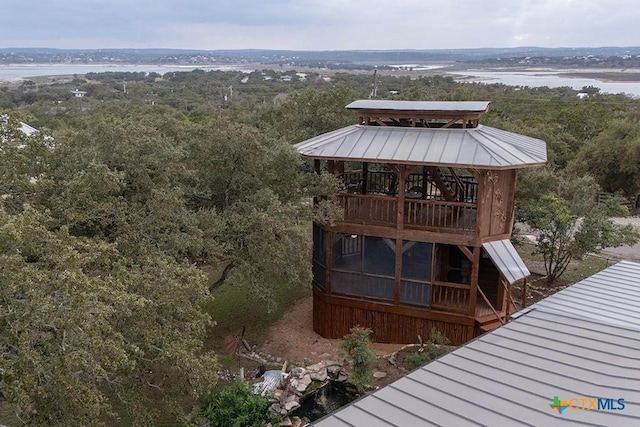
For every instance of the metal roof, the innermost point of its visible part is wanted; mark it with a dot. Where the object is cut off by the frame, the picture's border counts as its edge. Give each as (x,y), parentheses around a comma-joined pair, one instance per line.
(424,106)
(506,258)
(582,342)
(480,147)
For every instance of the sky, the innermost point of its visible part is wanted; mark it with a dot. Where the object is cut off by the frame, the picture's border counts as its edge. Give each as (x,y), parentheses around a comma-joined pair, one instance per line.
(318,24)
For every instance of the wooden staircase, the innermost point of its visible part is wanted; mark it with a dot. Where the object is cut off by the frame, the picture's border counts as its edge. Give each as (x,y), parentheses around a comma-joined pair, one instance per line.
(486,319)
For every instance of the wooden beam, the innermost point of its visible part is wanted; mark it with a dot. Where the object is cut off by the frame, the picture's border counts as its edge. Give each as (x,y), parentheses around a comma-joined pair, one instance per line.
(450,123)
(475,173)
(484,297)
(466,252)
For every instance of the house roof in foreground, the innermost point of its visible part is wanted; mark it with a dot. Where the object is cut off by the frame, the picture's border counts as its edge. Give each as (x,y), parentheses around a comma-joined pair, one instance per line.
(480,147)
(582,342)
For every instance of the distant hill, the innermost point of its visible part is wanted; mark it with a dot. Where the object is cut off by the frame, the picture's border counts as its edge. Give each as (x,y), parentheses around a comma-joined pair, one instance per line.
(354,57)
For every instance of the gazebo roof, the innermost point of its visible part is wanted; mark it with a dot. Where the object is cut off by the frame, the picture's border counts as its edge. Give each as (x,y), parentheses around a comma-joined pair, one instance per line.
(420,106)
(479,147)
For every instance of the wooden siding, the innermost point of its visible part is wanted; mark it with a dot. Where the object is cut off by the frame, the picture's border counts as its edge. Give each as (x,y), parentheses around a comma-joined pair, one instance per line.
(334,316)
(496,202)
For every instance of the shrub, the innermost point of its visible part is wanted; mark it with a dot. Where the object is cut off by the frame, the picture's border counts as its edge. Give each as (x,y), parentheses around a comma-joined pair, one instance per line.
(436,346)
(359,348)
(237,406)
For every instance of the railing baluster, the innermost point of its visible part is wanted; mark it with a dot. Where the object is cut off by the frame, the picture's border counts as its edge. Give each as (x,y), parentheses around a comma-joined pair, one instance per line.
(418,213)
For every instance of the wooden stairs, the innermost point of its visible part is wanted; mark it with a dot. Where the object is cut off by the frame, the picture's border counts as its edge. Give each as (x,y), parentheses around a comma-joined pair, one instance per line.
(486,319)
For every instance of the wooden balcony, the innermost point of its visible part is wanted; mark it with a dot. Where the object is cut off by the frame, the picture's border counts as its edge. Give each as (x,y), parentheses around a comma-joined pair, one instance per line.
(432,215)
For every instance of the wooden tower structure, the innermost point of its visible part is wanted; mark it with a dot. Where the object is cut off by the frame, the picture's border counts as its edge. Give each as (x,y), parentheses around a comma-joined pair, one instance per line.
(424,240)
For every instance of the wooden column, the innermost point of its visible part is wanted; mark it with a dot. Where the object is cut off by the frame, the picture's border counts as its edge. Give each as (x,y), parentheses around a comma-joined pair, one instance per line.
(401,173)
(402,180)
(485,194)
(523,299)
(328,260)
(473,291)
(365,177)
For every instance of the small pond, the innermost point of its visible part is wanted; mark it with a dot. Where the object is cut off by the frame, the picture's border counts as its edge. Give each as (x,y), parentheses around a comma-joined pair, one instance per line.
(325,400)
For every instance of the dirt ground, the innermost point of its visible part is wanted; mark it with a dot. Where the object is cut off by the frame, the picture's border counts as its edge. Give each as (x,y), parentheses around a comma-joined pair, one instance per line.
(292,338)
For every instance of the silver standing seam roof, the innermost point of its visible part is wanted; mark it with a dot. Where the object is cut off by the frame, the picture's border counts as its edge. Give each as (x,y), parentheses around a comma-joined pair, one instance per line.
(481,147)
(506,258)
(420,106)
(582,342)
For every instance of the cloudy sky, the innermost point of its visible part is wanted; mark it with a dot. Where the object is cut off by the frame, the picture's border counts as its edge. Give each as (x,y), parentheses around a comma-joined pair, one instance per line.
(318,24)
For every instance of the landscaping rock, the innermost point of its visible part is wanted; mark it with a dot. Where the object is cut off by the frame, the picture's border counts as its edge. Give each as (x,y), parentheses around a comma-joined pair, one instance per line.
(379,374)
(303,383)
(290,406)
(320,375)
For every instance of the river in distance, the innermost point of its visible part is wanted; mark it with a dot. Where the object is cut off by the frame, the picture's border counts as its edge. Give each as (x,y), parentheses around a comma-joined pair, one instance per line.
(530,78)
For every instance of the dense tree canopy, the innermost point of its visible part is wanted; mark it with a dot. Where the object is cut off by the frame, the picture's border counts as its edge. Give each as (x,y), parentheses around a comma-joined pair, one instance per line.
(108,213)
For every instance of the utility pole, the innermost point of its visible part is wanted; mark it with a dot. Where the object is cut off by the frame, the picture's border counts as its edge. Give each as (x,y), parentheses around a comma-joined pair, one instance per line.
(374,90)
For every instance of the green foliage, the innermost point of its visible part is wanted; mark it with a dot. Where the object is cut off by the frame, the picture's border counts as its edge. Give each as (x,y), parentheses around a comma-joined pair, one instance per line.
(436,346)
(562,235)
(236,406)
(112,221)
(578,192)
(358,347)
(613,157)
(86,329)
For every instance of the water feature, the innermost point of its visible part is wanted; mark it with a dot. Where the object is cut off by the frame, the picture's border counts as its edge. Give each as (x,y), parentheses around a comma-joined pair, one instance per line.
(557,78)
(326,399)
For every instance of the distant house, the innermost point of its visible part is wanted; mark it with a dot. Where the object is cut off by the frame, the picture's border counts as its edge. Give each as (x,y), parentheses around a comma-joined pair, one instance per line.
(78,93)
(27,130)
(570,359)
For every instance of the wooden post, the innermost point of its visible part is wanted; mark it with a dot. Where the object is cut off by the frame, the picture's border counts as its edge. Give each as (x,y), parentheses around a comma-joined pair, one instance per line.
(473,290)
(365,177)
(402,179)
(401,171)
(328,260)
(523,299)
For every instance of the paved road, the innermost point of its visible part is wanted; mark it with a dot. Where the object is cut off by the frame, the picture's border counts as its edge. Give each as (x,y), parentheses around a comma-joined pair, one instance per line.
(631,253)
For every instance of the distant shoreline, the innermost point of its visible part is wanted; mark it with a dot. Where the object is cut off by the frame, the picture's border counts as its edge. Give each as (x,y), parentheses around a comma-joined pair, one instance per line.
(609,80)
(20,72)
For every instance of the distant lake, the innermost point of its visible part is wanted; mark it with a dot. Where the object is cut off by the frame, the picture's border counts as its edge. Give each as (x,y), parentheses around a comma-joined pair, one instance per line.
(511,78)
(15,72)
(546,78)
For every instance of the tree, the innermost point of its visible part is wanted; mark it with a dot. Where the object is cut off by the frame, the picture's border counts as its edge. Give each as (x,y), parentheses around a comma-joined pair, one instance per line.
(563,236)
(613,157)
(84,327)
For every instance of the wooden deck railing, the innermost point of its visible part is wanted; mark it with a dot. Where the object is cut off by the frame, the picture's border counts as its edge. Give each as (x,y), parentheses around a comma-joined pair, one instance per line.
(368,208)
(450,297)
(427,214)
(437,214)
